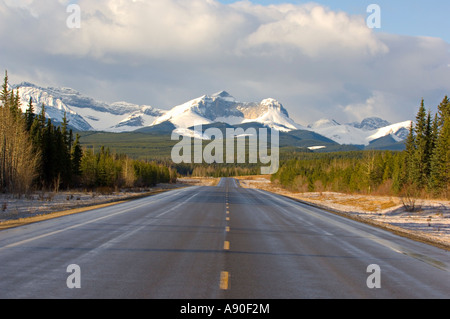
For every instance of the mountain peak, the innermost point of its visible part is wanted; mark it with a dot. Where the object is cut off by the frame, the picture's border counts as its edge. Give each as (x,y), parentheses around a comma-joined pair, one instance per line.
(371,123)
(324,123)
(224,95)
(25,84)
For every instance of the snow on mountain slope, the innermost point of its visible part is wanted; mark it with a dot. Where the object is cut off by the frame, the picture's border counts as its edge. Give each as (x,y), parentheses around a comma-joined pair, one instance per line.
(342,134)
(55,108)
(185,115)
(85,113)
(370,124)
(354,135)
(397,131)
(323,123)
(275,117)
(222,107)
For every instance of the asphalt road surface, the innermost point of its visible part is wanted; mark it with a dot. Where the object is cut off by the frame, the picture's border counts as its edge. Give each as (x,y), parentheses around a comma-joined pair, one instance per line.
(213,243)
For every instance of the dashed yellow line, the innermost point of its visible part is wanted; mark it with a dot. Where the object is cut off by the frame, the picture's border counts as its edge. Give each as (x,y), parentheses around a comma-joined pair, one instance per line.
(224,278)
(224,275)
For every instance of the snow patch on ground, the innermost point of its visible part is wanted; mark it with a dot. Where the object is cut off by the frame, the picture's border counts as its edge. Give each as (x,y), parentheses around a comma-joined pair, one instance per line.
(13,207)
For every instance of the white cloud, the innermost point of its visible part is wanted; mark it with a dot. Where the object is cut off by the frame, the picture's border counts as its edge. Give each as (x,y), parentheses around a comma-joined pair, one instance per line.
(378,104)
(316,32)
(317,62)
(159,28)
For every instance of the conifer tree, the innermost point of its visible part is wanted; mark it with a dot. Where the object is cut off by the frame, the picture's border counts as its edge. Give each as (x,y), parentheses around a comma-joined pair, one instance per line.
(421,158)
(14,104)
(443,111)
(440,163)
(64,152)
(76,157)
(29,115)
(409,156)
(5,93)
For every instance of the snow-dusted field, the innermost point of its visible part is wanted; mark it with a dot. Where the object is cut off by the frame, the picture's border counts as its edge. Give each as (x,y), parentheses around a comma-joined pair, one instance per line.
(43,203)
(430,220)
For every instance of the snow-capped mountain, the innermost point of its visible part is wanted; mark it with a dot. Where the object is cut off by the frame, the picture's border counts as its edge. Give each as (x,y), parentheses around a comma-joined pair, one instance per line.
(363,133)
(222,107)
(370,124)
(54,106)
(87,114)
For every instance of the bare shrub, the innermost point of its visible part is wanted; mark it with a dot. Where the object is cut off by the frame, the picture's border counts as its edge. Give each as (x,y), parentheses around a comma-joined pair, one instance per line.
(409,197)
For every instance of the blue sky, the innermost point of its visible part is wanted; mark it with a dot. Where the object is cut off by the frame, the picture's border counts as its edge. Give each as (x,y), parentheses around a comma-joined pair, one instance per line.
(404,17)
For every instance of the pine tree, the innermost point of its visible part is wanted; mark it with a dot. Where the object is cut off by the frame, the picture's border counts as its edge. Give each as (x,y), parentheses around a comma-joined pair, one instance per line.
(49,171)
(29,115)
(89,168)
(76,157)
(399,172)
(14,104)
(42,117)
(410,151)
(5,94)
(422,155)
(443,111)
(434,133)
(440,164)
(66,132)
(36,132)
(64,152)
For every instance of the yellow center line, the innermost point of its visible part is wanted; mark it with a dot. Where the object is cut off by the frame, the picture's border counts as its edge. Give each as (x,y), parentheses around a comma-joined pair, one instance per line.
(227,229)
(226,245)
(224,276)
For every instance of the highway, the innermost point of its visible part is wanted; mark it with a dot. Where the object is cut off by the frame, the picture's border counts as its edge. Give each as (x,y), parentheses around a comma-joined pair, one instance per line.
(221,242)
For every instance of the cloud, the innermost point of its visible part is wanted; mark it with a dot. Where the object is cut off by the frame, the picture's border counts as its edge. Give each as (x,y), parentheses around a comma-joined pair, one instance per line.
(195,28)
(315,32)
(317,62)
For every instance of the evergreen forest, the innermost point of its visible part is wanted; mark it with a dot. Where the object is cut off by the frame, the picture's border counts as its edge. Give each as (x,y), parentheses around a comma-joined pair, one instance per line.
(37,154)
(421,170)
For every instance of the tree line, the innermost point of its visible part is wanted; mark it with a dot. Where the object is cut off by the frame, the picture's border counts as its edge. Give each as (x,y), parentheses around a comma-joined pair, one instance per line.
(35,153)
(107,169)
(422,169)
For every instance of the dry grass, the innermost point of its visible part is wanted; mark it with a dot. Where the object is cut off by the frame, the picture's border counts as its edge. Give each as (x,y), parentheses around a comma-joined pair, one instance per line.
(199,181)
(360,202)
(254,177)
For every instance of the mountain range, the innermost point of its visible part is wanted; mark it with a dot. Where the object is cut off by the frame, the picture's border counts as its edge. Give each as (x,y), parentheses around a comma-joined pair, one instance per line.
(87,114)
